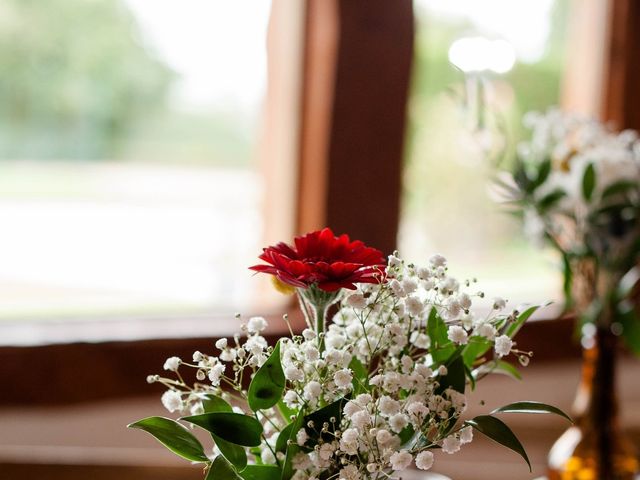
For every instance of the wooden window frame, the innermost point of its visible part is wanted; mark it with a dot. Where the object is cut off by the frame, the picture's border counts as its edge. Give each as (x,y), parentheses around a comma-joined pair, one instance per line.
(345,101)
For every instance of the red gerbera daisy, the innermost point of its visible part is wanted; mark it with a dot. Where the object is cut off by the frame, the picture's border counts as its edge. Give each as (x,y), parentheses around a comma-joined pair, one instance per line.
(322,259)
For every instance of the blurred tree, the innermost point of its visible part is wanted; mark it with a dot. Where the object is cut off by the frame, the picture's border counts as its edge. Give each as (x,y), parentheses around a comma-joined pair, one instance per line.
(75,75)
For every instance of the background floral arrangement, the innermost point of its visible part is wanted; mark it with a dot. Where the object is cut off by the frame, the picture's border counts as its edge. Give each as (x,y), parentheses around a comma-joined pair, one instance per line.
(576,184)
(366,394)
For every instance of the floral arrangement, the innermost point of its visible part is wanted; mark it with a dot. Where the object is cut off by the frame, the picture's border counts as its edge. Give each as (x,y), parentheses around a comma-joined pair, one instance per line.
(364,394)
(576,184)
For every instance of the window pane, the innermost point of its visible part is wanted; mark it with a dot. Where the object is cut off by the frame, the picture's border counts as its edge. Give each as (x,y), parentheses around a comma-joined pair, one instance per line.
(446,206)
(127,175)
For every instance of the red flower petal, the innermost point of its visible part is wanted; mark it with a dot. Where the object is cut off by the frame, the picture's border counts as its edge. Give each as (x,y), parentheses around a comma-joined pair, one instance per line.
(323,259)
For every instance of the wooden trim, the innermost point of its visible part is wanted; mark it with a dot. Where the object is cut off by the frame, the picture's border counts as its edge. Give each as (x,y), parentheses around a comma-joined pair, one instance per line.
(356,85)
(622,74)
(80,372)
(12,471)
(583,77)
(279,143)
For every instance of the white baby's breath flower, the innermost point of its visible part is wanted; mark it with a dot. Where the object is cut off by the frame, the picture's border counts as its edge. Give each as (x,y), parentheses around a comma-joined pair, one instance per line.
(388,406)
(172,400)
(302,437)
(485,330)
(464,300)
(291,399)
(383,436)
(438,260)
(293,374)
(308,334)
(424,460)
(221,343)
(267,457)
(400,460)
(503,345)
(357,301)
(414,306)
(451,444)
(172,364)
(420,340)
(398,422)
(466,435)
(256,324)
(360,419)
(343,378)
(228,355)
(409,285)
(394,262)
(397,289)
(350,472)
(312,391)
(196,409)
(215,374)
(499,303)
(326,451)
(458,335)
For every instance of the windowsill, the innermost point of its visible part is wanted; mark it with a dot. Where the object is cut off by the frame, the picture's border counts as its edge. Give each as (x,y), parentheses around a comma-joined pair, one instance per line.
(109,365)
(125,329)
(154,327)
(30,439)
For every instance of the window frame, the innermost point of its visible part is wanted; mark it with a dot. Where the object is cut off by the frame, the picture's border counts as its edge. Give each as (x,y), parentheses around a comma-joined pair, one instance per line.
(336,111)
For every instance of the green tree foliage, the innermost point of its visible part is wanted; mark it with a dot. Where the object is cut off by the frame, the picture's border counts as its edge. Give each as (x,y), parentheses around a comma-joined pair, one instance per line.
(75,76)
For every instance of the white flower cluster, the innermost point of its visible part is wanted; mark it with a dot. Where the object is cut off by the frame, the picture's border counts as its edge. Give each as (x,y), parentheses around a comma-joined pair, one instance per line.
(379,358)
(249,352)
(402,412)
(573,142)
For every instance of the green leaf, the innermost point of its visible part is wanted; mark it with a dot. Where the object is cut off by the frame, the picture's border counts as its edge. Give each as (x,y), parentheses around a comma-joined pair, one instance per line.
(292,448)
(284,410)
(174,436)
(476,347)
(630,329)
(261,472)
(550,199)
(499,432)
(360,375)
(519,322)
(621,186)
(213,403)
(221,469)
(455,377)
(508,369)
(567,283)
(324,415)
(544,169)
(531,407)
(588,182)
(406,434)
(232,452)
(441,347)
(472,379)
(267,385)
(285,434)
(232,427)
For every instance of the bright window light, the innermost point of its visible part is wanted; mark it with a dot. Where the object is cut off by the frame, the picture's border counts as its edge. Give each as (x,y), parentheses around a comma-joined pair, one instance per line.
(479,54)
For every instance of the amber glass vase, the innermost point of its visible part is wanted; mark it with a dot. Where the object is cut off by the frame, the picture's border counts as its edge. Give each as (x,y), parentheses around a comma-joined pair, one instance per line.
(595,448)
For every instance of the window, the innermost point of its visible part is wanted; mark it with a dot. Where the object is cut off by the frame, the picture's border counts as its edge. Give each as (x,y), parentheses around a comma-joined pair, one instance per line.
(128,178)
(446,208)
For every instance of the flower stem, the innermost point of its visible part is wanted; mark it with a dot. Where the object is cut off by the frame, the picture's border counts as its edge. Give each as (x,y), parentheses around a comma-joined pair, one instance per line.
(321,314)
